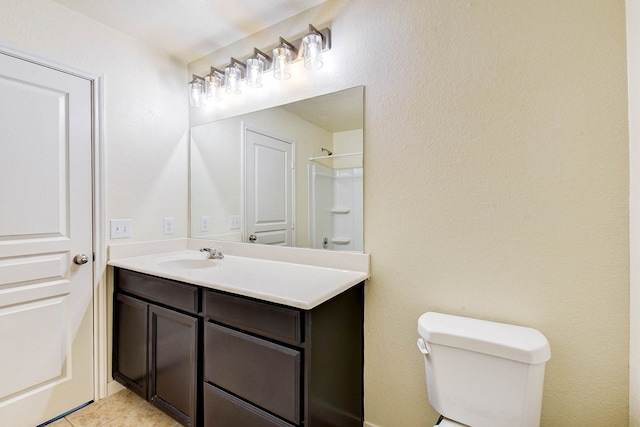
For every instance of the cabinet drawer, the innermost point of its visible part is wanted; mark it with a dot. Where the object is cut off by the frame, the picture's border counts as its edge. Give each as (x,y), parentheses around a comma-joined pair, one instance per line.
(223,410)
(280,323)
(164,291)
(260,371)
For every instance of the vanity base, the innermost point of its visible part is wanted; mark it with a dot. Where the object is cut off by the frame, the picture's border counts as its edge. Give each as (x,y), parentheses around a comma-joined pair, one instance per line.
(218,359)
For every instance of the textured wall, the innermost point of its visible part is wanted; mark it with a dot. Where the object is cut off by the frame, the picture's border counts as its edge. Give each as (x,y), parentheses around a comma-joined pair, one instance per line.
(496,184)
(633,58)
(145,114)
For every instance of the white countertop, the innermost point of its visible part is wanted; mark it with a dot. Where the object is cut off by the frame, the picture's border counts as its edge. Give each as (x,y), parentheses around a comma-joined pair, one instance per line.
(294,284)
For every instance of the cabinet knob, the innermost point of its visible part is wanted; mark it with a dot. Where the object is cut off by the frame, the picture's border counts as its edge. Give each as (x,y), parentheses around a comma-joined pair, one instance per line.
(253,238)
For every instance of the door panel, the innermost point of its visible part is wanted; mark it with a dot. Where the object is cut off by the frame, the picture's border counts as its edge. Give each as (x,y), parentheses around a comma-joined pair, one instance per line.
(28,367)
(268,188)
(46,313)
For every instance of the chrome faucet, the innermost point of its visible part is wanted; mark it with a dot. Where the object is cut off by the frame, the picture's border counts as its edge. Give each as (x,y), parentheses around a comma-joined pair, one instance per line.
(213,253)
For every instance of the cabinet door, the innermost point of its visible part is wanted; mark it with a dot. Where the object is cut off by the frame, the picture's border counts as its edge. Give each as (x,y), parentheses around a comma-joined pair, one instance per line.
(173,356)
(130,343)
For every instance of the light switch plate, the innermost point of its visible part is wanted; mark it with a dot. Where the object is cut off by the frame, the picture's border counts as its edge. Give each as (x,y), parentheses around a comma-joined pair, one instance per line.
(234,222)
(121,228)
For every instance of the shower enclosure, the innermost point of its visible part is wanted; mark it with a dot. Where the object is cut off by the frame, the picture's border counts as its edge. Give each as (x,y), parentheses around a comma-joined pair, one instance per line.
(335,202)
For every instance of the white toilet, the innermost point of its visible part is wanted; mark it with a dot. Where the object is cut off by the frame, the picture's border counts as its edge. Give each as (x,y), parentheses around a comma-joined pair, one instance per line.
(481,373)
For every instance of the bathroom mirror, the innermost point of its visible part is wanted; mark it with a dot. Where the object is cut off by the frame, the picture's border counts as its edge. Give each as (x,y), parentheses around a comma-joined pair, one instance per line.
(244,188)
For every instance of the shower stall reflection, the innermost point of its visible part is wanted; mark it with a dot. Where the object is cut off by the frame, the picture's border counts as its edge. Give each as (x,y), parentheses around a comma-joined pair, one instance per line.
(335,202)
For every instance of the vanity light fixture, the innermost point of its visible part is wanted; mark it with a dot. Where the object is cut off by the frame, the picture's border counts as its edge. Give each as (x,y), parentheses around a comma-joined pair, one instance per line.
(233,76)
(256,65)
(213,82)
(310,47)
(196,92)
(282,58)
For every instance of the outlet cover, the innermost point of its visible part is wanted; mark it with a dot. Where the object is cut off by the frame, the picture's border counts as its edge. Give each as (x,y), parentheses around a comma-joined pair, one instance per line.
(121,228)
(204,223)
(169,226)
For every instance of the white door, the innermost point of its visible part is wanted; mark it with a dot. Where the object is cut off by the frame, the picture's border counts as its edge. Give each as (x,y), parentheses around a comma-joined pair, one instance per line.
(46,313)
(269,188)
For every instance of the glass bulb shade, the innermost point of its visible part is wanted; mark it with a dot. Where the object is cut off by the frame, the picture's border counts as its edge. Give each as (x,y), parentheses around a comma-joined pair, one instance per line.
(196,94)
(281,59)
(232,77)
(212,84)
(255,68)
(312,45)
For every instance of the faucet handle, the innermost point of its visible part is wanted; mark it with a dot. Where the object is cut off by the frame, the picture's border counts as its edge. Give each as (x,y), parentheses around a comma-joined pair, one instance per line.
(213,252)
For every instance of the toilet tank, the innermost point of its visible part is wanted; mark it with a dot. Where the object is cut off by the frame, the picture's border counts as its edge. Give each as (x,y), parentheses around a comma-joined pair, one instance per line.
(483,373)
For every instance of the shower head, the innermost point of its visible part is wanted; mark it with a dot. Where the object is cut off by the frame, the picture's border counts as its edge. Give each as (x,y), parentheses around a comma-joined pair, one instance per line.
(328,152)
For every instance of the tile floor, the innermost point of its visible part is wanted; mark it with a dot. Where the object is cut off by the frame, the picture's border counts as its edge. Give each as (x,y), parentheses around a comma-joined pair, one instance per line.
(122,409)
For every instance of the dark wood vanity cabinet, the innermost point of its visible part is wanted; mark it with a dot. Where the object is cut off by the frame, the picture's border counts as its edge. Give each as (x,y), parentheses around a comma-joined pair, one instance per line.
(271,365)
(156,347)
(261,364)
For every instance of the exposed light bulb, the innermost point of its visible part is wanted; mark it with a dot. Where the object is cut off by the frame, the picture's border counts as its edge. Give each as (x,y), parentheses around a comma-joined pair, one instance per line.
(212,84)
(232,77)
(281,59)
(255,68)
(312,45)
(196,92)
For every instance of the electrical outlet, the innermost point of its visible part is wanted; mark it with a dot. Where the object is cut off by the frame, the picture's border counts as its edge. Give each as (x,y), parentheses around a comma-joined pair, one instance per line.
(121,228)
(169,226)
(204,223)
(234,222)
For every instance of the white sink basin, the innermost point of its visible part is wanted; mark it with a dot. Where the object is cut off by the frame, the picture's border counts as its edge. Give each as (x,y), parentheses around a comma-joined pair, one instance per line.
(188,263)
(297,285)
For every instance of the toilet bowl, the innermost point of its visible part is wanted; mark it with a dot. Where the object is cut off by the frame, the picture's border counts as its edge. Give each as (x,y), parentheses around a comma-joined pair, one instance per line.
(481,373)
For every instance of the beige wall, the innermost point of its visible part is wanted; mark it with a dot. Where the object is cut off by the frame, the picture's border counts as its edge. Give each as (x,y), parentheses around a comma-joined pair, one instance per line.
(145,115)
(348,142)
(633,58)
(496,184)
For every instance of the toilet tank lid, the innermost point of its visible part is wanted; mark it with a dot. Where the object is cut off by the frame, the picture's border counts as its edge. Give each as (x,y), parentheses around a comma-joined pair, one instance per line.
(519,343)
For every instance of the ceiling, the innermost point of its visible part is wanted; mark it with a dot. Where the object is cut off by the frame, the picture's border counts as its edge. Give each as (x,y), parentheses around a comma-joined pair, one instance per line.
(189,29)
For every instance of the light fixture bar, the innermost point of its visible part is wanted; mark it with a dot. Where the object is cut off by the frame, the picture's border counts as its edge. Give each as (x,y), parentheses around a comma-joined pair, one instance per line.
(284,42)
(296,47)
(253,77)
(266,57)
(234,61)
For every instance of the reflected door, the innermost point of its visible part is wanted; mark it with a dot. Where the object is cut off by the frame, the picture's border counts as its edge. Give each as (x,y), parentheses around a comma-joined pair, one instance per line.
(268,188)
(46,314)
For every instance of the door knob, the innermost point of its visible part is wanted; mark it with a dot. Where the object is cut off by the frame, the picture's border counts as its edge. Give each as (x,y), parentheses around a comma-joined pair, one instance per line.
(80,259)
(253,238)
